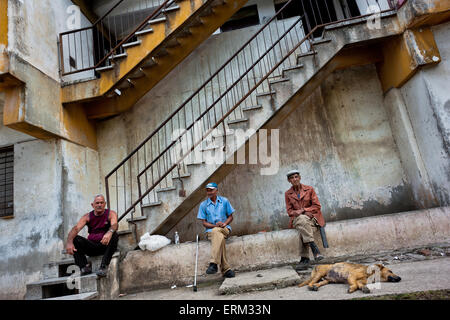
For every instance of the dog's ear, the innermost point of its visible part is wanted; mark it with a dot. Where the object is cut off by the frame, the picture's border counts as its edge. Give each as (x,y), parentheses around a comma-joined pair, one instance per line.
(379,265)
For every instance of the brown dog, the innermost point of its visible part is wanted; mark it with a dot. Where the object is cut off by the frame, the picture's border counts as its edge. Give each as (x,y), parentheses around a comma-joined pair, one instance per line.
(356,275)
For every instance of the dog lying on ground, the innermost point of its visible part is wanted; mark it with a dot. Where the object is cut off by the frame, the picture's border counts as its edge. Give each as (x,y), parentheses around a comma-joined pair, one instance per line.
(356,275)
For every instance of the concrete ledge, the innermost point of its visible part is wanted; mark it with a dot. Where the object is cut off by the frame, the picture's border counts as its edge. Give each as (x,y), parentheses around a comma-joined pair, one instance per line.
(174,264)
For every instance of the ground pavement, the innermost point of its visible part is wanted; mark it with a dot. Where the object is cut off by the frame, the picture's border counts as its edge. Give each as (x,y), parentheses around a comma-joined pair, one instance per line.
(421,269)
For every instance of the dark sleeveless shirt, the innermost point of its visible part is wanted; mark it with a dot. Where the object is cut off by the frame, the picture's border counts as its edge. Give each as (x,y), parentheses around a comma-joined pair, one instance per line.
(98,225)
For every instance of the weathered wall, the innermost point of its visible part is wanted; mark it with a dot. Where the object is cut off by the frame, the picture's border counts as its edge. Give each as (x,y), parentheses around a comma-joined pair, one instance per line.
(54,180)
(427,98)
(33,236)
(341,141)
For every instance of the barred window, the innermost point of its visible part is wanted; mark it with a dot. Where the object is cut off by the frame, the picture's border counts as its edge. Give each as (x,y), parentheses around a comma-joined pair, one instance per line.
(6,182)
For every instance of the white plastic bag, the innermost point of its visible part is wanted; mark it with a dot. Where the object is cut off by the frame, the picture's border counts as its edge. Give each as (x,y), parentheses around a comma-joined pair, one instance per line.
(153,243)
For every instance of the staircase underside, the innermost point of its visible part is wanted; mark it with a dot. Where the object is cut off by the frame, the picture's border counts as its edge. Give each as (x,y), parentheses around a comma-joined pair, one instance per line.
(146,63)
(351,45)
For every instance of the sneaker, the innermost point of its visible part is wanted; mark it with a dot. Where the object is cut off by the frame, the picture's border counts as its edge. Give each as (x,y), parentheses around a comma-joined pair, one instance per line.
(212,268)
(86,270)
(229,274)
(303,265)
(102,272)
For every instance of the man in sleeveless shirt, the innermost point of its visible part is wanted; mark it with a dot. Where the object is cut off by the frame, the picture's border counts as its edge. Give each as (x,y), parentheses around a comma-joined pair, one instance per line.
(102,239)
(303,209)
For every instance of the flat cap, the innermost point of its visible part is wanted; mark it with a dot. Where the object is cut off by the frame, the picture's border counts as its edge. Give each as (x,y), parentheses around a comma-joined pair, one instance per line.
(290,173)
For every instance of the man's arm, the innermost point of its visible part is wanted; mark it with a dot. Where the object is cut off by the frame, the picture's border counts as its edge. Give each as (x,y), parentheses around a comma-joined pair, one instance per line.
(227,222)
(70,248)
(290,210)
(208,225)
(315,205)
(114,226)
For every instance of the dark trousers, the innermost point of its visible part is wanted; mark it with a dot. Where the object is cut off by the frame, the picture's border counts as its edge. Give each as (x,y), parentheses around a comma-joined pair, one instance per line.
(86,247)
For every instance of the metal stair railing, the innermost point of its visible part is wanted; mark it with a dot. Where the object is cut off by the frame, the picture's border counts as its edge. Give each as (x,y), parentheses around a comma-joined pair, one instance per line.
(234,86)
(93,47)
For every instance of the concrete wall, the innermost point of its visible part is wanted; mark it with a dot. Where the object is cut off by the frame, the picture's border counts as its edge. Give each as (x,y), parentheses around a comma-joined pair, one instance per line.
(341,141)
(427,98)
(37,42)
(54,180)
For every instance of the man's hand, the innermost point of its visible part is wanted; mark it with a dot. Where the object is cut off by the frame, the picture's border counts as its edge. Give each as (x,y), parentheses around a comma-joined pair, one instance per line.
(221,224)
(70,248)
(106,238)
(309,214)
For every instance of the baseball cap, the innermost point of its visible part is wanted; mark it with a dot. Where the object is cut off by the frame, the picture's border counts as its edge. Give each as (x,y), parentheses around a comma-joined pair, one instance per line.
(211,185)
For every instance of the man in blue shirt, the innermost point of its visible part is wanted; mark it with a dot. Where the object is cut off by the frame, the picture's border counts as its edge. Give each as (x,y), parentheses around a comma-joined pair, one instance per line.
(216,214)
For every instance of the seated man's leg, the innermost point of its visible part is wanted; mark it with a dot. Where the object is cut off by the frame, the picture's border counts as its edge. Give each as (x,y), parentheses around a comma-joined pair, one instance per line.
(84,247)
(109,250)
(306,227)
(218,252)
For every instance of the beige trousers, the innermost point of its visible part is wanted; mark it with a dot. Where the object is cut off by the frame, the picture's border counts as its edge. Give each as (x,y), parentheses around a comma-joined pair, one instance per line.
(217,236)
(306,226)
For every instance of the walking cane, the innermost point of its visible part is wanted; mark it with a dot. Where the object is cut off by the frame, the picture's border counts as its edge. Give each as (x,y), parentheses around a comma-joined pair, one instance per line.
(196,260)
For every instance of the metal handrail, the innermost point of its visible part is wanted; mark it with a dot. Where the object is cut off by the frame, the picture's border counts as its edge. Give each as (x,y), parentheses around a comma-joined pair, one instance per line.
(154,14)
(222,119)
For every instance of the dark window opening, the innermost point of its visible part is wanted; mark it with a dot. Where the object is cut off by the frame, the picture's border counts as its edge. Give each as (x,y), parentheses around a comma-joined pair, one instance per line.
(6,182)
(244,17)
(315,13)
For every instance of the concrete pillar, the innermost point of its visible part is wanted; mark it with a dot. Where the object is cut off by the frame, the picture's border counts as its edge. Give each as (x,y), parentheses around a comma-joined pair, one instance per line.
(410,155)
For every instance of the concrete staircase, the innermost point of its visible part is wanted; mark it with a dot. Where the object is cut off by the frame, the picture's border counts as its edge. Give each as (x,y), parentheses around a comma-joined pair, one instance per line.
(343,44)
(60,283)
(150,54)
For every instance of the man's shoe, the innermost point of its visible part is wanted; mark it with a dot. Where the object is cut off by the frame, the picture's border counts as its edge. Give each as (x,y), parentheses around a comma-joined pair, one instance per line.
(86,270)
(303,265)
(212,268)
(229,274)
(318,257)
(102,272)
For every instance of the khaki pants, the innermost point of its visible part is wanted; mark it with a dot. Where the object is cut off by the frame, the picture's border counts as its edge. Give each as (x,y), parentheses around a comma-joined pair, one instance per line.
(306,226)
(217,236)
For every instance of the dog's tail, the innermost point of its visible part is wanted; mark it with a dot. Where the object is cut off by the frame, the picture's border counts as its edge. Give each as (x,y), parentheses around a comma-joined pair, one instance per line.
(304,283)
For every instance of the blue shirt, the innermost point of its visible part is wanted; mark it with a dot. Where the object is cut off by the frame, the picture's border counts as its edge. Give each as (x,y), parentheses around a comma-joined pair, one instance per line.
(214,213)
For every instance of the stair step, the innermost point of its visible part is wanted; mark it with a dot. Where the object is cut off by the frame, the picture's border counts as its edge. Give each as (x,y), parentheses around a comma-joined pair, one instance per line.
(152,204)
(210,148)
(172,43)
(59,280)
(118,56)
(121,232)
(257,107)
(140,218)
(105,68)
(173,8)
(306,54)
(183,175)
(279,80)
(131,44)
(158,20)
(265,93)
(237,121)
(219,135)
(166,189)
(143,32)
(320,41)
(79,296)
(298,66)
